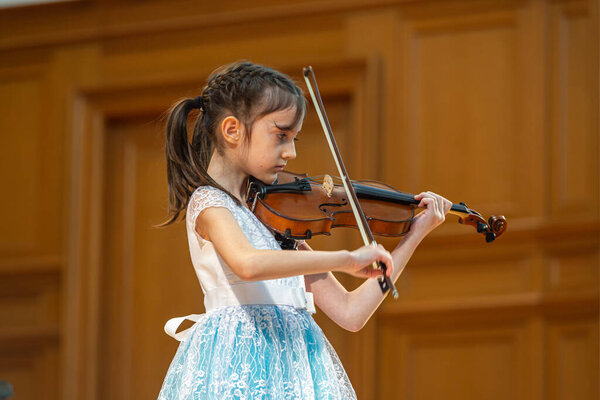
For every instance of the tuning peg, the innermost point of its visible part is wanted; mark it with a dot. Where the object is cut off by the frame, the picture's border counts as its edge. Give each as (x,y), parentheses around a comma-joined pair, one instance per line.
(481,227)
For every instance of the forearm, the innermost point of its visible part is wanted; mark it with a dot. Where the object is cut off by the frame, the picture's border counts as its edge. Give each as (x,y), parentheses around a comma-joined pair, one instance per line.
(364,300)
(273,264)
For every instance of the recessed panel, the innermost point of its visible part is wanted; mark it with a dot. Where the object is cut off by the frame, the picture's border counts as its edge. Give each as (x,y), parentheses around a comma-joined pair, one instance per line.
(21,118)
(572,348)
(574,141)
(463,118)
(452,361)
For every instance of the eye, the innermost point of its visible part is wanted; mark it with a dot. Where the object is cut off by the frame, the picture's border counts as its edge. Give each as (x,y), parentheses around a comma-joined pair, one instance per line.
(283,137)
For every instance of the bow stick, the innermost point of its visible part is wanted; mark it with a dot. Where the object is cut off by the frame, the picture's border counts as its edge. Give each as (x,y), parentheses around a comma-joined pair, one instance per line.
(385,283)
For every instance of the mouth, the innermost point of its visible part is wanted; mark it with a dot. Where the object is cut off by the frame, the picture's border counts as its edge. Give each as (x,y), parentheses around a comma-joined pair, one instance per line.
(279,167)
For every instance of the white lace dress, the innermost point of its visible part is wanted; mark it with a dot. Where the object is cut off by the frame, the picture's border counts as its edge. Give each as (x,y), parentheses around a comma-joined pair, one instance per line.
(240,350)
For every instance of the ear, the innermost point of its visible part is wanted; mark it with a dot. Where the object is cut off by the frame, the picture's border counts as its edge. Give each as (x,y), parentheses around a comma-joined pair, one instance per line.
(231,128)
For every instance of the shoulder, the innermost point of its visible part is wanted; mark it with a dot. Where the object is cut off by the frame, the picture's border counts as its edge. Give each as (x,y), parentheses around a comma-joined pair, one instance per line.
(216,217)
(208,196)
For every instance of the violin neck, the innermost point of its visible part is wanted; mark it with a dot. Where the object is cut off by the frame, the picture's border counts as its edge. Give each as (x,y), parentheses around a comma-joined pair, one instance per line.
(374,193)
(459,209)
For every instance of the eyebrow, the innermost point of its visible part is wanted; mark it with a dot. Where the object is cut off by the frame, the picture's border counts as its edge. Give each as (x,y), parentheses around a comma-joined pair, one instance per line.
(283,128)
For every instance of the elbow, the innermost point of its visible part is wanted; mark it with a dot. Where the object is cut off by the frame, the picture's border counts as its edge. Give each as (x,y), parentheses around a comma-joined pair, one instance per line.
(244,275)
(246,270)
(353,317)
(353,322)
(354,326)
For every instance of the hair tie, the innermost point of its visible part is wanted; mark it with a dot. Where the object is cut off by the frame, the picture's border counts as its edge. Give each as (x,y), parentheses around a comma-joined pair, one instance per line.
(198,103)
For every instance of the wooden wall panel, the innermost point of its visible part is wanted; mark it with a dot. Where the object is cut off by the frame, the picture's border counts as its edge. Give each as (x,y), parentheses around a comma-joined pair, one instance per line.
(22,96)
(572,359)
(571,112)
(30,287)
(465,360)
(490,102)
(31,375)
(29,334)
(466,96)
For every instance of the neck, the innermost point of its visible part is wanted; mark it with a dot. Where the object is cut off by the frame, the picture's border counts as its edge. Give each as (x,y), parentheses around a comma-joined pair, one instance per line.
(228,174)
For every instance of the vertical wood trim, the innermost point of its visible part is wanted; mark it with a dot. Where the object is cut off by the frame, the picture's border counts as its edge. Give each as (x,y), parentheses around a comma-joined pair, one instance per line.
(128,264)
(83,269)
(73,328)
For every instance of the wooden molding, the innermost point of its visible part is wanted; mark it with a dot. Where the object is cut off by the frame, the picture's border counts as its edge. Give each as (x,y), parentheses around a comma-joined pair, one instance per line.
(95,20)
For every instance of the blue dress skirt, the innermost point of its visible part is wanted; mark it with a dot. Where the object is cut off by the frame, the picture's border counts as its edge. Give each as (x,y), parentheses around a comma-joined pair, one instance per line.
(256,352)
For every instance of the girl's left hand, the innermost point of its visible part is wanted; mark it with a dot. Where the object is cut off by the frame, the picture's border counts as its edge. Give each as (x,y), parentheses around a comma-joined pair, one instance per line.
(436,208)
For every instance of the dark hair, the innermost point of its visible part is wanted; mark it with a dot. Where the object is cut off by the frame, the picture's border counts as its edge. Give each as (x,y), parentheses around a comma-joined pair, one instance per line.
(244,90)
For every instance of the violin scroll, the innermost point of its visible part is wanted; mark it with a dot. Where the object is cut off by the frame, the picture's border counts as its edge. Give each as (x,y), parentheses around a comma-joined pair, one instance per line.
(495,226)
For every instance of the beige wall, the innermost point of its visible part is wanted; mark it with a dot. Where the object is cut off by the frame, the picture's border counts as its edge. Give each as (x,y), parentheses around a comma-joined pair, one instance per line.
(494,103)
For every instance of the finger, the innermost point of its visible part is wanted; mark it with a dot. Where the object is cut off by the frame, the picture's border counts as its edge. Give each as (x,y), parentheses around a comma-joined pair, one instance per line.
(369,272)
(443,205)
(437,203)
(425,202)
(447,206)
(420,196)
(390,265)
(386,258)
(389,268)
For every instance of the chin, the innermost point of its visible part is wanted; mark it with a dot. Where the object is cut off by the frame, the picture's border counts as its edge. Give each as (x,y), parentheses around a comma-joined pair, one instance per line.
(268,179)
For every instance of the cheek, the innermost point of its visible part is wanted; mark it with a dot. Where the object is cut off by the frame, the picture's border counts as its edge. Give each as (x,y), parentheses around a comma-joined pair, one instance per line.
(257,157)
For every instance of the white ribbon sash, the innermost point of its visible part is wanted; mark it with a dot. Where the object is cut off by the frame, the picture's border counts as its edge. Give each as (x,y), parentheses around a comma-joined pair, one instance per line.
(246,293)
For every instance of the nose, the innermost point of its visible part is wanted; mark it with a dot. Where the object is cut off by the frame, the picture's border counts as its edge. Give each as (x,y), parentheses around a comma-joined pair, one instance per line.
(289,153)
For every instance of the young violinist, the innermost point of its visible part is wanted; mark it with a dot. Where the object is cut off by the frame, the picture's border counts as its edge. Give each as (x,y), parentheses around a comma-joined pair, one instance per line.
(258,338)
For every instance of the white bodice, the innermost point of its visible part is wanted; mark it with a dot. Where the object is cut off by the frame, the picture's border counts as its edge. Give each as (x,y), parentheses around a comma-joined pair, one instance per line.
(221,286)
(212,271)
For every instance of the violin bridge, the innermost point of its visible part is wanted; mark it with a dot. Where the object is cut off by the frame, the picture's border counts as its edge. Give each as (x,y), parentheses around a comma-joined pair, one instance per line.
(328,185)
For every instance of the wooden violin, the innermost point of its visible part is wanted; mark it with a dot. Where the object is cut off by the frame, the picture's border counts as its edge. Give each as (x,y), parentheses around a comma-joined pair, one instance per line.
(298,207)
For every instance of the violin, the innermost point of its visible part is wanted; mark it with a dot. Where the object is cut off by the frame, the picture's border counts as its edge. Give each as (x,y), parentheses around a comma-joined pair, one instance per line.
(301,206)
(298,206)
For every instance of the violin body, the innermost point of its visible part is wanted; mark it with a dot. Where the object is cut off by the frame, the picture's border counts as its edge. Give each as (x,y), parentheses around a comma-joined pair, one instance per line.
(298,207)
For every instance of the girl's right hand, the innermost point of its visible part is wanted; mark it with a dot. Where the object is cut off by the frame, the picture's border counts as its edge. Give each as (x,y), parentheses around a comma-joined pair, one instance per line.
(361,261)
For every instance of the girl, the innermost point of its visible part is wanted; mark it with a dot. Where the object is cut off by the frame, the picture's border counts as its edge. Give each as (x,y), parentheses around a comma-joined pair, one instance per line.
(258,339)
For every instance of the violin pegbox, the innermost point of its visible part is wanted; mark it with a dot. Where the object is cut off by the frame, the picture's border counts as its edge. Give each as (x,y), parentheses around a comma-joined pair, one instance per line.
(328,185)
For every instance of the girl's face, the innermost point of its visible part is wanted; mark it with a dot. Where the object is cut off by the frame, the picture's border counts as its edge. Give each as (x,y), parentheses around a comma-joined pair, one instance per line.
(272,144)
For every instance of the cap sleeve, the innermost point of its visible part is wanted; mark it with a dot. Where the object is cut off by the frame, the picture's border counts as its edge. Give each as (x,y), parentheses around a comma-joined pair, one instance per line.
(204,197)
